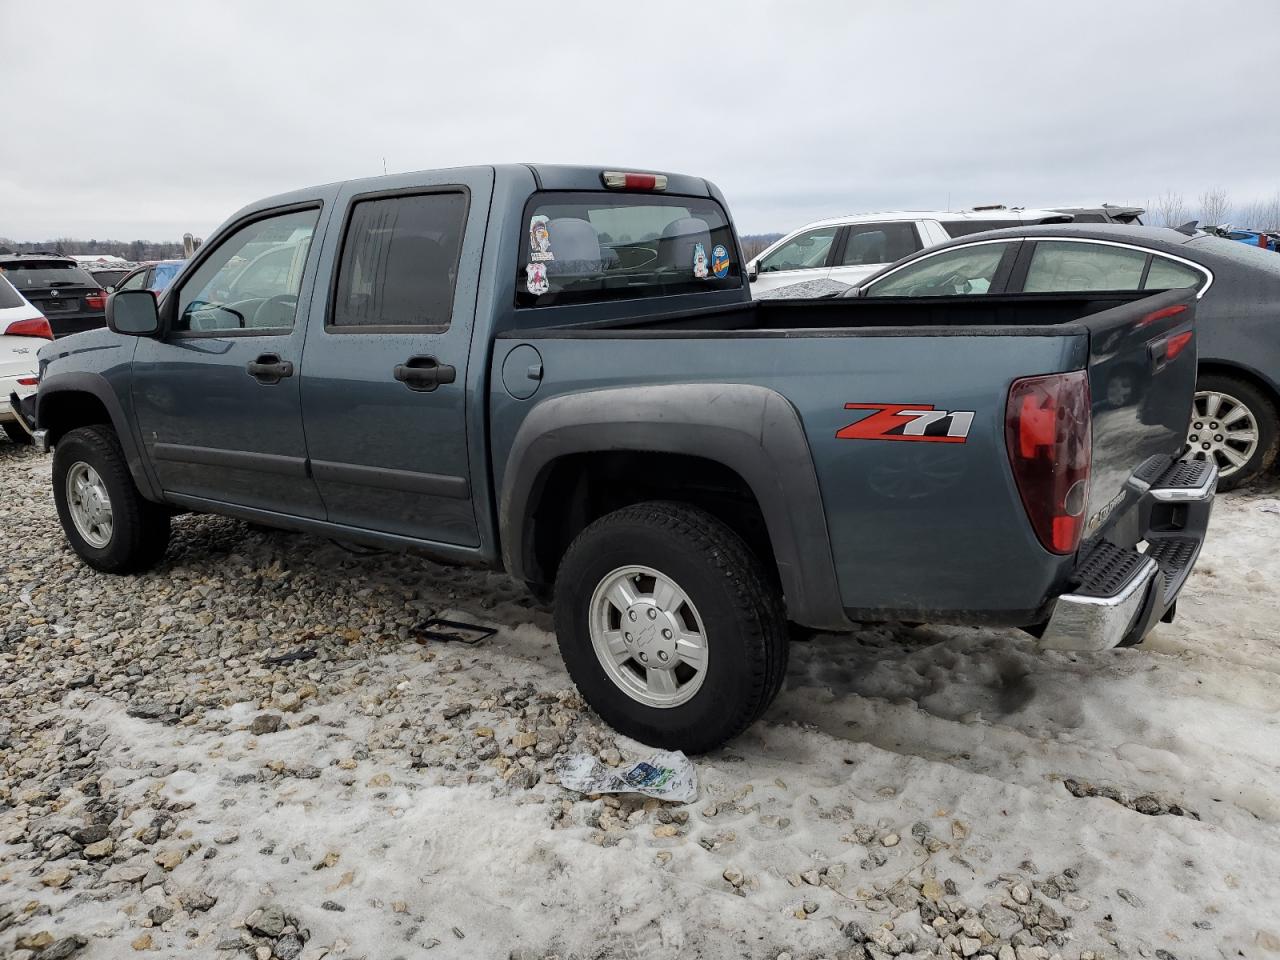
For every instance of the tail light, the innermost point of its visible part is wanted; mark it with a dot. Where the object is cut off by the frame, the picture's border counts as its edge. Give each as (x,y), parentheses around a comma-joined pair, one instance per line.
(618,180)
(35,327)
(96,300)
(1049,432)
(28,381)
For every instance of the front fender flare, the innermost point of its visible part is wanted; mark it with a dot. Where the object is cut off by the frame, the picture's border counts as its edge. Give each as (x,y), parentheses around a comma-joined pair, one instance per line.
(752,430)
(96,385)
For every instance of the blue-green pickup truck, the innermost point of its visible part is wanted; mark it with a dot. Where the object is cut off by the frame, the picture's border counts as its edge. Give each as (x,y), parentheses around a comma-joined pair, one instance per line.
(559,371)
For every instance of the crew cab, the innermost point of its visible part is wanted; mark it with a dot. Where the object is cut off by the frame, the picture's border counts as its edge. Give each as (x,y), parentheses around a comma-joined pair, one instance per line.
(560,372)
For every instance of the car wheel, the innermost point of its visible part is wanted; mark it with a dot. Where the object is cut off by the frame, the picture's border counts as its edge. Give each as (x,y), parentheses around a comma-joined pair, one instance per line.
(16,433)
(1233,425)
(108,523)
(670,626)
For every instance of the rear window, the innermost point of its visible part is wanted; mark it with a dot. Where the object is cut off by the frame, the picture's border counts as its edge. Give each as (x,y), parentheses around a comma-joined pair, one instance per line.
(30,274)
(9,297)
(963,228)
(590,247)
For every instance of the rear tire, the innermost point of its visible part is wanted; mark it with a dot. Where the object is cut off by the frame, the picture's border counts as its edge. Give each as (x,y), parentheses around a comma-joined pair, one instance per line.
(16,433)
(1224,406)
(690,576)
(108,523)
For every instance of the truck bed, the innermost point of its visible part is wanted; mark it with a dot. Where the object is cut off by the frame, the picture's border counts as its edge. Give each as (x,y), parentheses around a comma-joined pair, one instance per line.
(1009,313)
(925,530)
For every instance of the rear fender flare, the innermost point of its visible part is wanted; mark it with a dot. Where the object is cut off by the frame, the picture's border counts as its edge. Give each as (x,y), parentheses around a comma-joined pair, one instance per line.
(752,430)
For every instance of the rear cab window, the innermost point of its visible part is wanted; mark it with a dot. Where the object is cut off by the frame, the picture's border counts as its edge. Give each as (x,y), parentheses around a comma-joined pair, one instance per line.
(593,247)
(35,274)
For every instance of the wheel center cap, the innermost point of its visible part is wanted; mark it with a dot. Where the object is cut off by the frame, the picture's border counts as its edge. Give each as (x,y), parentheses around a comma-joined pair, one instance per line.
(651,635)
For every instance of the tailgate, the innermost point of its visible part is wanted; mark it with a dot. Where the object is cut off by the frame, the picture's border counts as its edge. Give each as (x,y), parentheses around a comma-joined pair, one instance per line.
(1142,376)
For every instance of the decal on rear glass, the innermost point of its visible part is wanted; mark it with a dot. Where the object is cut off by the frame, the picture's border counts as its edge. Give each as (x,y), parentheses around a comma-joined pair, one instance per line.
(540,239)
(908,421)
(536,278)
(700,261)
(719,261)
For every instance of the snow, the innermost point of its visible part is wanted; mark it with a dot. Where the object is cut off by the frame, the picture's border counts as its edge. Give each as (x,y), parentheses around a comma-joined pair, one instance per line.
(969,731)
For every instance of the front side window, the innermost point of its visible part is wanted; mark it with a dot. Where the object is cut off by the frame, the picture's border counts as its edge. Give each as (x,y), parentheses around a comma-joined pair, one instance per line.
(592,247)
(400,261)
(807,251)
(964,270)
(229,290)
(135,280)
(872,243)
(1060,266)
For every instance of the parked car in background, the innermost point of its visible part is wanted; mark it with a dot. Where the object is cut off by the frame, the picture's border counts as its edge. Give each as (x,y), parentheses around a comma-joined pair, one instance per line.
(23,328)
(1107,213)
(153,276)
(1254,238)
(849,249)
(59,288)
(1234,418)
(108,277)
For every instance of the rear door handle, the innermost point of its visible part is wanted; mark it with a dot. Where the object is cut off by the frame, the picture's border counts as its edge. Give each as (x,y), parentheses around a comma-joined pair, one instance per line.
(424,374)
(269,368)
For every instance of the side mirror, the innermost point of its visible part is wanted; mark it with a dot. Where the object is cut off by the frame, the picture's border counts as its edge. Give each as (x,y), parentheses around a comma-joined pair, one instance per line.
(133,313)
(753,271)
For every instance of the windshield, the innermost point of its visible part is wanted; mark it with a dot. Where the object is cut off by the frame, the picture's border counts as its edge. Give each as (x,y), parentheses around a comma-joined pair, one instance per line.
(164,273)
(580,248)
(1241,253)
(30,274)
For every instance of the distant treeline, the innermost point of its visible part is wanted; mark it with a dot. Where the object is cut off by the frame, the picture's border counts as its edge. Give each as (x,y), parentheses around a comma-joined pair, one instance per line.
(135,250)
(753,244)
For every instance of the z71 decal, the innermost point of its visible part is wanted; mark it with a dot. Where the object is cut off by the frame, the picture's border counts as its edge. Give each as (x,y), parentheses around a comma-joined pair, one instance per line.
(908,421)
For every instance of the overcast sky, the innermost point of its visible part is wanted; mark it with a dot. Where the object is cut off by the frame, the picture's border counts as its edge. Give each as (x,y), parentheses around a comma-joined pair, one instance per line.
(142,121)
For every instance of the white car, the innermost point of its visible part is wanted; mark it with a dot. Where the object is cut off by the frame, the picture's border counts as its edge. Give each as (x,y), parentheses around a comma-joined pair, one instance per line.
(23,329)
(847,250)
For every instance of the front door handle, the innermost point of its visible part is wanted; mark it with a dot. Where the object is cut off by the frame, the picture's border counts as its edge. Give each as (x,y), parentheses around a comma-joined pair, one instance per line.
(424,374)
(269,368)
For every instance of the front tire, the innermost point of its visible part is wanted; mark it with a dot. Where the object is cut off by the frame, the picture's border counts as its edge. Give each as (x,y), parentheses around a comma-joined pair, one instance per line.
(670,626)
(1234,425)
(108,523)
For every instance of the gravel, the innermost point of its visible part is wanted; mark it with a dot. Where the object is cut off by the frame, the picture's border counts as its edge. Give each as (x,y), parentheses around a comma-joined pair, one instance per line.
(250,752)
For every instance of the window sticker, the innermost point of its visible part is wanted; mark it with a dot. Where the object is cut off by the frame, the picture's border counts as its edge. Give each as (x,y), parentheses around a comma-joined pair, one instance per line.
(540,239)
(536,278)
(719,261)
(699,261)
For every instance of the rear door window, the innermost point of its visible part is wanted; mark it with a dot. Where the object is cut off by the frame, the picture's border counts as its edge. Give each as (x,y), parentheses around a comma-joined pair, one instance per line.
(871,243)
(591,247)
(9,297)
(400,261)
(807,251)
(1063,266)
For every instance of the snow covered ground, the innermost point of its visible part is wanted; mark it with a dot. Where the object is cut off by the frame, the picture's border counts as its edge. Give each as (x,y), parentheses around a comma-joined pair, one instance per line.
(1124,804)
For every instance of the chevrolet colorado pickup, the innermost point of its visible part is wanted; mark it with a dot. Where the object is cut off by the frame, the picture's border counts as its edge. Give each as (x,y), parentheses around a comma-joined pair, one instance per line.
(559,371)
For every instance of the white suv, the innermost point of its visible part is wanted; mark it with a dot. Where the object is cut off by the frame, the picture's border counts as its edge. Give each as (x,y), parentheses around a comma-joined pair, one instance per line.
(850,249)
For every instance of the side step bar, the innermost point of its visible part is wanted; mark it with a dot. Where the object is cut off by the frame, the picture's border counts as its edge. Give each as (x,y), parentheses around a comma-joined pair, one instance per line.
(1118,593)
